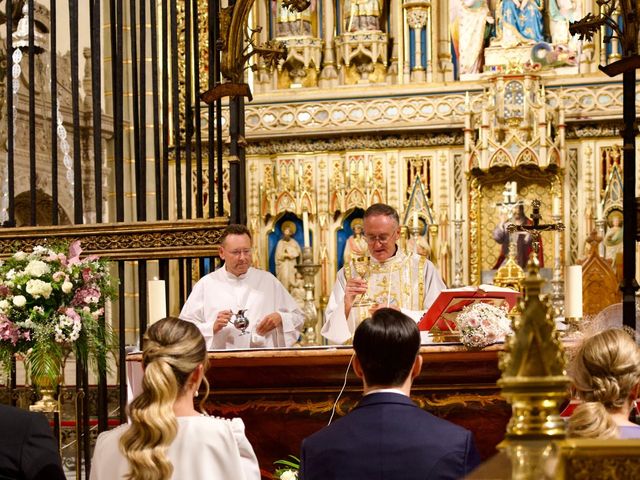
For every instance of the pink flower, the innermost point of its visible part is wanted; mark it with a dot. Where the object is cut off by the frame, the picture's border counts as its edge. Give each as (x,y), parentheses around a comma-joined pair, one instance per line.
(71,313)
(74,253)
(86,274)
(59,276)
(4,291)
(86,295)
(9,331)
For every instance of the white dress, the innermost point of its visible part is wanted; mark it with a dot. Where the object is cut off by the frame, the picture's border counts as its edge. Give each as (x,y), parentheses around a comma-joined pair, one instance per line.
(204,448)
(257,291)
(410,282)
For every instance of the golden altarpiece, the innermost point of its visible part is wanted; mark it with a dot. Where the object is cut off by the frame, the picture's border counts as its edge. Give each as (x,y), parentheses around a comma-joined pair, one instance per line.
(458,127)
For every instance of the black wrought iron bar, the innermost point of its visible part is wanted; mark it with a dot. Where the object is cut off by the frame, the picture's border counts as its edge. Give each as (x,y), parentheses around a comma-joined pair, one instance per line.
(53,59)
(218,77)
(165,111)
(135,90)
(32,115)
(96,91)
(10,126)
(141,194)
(198,112)
(122,341)
(175,106)
(142,295)
(629,283)
(237,172)
(211,39)
(153,13)
(188,102)
(75,104)
(117,66)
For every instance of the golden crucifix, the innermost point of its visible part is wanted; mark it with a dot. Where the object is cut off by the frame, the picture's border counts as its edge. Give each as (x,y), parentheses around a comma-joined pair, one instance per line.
(536,228)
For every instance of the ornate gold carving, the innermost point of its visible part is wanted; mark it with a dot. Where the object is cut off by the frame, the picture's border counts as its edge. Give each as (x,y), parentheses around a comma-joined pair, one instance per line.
(533,378)
(599,282)
(125,241)
(611,459)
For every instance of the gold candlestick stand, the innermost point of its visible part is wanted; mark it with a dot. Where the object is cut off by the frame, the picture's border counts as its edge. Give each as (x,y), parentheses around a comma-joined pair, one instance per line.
(308,269)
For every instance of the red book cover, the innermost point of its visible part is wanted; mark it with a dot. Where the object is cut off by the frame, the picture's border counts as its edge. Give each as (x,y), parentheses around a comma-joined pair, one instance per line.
(440,317)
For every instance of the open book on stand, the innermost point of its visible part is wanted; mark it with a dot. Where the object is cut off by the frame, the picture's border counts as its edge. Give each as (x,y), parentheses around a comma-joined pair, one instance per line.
(439,320)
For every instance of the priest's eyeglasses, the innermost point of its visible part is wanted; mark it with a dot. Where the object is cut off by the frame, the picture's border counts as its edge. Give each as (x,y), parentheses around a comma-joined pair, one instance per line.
(383,239)
(237,253)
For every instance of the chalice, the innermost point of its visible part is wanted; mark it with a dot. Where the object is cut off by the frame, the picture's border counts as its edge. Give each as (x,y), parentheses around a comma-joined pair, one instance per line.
(240,321)
(363,269)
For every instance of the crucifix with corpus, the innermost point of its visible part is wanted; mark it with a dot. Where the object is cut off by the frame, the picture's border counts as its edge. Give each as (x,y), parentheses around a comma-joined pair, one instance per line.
(535,228)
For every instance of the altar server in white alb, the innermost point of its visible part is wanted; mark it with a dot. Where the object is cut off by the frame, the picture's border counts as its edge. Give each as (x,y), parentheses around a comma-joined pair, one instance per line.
(406,282)
(274,316)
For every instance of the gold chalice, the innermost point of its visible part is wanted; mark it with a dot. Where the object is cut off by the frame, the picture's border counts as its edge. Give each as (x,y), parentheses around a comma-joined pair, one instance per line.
(362,267)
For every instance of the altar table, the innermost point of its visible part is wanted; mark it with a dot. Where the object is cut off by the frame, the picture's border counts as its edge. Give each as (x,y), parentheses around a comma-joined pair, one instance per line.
(285,395)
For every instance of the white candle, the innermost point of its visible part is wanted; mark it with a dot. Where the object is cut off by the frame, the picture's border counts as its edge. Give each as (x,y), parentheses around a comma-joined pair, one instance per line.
(556,206)
(305,228)
(514,192)
(598,211)
(458,211)
(573,292)
(415,219)
(157,301)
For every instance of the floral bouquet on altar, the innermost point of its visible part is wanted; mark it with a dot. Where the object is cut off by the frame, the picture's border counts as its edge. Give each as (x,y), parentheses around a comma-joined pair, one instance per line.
(481,324)
(51,304)
(287,469)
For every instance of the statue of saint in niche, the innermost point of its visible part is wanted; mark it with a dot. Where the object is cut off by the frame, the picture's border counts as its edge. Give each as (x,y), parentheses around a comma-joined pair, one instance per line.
(287,253)
(356,245)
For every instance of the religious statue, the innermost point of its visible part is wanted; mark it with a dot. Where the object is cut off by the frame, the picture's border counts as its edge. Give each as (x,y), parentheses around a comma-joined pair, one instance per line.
(470,23)
(362,15)
(561,12)
(297,289)
(287,253)
(524,240)
(521,22)
(356,245)
(420,244)
(291,23)
(613,238)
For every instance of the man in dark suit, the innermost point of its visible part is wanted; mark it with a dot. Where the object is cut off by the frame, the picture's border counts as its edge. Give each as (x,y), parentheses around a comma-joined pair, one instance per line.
(27,448)
(387,436)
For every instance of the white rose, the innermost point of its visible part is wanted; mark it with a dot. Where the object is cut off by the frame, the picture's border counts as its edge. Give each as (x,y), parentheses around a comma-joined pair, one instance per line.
(289,475)
(36,268)
(19,301)
(38,288)
(4,305)
(20,255)
(66,287)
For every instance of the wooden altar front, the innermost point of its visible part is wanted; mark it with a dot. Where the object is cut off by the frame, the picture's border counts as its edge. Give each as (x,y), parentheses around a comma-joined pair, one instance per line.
(285,395)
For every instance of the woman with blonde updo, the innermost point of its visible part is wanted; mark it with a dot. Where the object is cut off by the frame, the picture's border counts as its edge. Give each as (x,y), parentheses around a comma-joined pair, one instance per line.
(167,438)
(606,377)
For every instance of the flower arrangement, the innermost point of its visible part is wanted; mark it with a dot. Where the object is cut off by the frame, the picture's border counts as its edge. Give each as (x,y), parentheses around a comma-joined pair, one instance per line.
(288,470)
(51,304)
(481,324)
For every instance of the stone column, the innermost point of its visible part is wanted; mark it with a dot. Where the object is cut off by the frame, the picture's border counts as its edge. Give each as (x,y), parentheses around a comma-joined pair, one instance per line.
(394,33)
(417,14)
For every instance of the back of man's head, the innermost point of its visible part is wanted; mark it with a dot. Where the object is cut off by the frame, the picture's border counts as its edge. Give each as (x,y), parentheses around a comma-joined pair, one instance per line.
(386,346)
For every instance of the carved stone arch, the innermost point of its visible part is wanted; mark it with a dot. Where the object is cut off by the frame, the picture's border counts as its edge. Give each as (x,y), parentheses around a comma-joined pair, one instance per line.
(526,157)
(355,198)
(501,158)
(44,204)
(285,202)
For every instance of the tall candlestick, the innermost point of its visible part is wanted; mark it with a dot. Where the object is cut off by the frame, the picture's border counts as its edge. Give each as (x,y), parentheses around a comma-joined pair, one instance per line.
(573,292)
(598,211)
(415,219)
(157,301)
(305,228)
(458,211)
(556,207)
(514,192)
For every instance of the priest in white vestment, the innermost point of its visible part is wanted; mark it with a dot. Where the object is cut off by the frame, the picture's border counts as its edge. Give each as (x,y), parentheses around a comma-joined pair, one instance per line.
(275,319)
(407,282)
